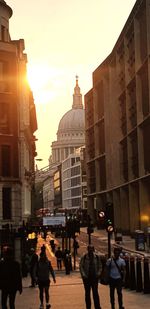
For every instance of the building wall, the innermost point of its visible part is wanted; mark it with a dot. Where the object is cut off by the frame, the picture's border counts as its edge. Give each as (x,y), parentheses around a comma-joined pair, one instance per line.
(117,112)
(71,182)
(17,125)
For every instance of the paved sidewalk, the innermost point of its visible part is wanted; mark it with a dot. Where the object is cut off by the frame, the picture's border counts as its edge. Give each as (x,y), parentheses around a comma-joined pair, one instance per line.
(68,293)
(128,243)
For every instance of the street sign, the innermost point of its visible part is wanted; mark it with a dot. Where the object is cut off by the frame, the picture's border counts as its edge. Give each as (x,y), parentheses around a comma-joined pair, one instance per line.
(54,220)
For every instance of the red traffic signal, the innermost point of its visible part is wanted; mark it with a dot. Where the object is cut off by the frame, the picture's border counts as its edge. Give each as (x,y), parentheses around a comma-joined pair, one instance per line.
(101,214)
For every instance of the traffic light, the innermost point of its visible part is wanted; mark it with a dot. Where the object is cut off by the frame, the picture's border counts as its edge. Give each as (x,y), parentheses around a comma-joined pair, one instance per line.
(109,217)
(72,226)
(101,219)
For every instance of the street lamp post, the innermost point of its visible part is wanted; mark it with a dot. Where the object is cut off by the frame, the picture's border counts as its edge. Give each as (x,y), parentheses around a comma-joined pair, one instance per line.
(90,229)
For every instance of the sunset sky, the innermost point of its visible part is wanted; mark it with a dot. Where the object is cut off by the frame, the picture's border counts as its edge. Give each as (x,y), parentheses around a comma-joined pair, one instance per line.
(64,38)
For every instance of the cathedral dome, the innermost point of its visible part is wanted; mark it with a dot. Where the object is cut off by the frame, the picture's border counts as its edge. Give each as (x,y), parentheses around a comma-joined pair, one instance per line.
(72,124)
(71,129)
(72,120)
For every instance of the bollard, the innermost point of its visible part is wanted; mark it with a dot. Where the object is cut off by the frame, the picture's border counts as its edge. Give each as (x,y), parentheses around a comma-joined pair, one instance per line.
(132,274)
(146,276)
(139,283)
(127,276)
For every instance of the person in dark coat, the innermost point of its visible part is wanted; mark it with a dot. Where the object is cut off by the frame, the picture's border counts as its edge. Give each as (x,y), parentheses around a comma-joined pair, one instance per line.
(75,246)
(43,271)
(59,257)
(10,278)
(90,269)
(33,264)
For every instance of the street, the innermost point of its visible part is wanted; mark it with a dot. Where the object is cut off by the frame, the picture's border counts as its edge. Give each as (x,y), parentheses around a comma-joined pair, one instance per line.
(68,293)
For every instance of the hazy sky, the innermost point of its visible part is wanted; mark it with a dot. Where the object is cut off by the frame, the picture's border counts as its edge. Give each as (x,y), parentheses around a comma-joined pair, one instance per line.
(64,38)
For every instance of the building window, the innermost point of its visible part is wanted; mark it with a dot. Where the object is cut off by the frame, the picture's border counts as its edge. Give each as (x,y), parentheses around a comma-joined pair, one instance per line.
(76,191)
(75,171)
(5,155)
(75,181)
(2,33)
(6,200)
(100,100)
(4,118)
(144,78)
(76,202)
(4,76)
(72,161)
(146,144)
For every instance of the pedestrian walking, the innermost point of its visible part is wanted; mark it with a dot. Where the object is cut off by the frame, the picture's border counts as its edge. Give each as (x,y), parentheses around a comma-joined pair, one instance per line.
(75,246)
(44,269)
(33,264)
(67,261)
(53,245)
(90,269)
(116,267)
(25,265)
(10,278)
(43,248)
(59,257)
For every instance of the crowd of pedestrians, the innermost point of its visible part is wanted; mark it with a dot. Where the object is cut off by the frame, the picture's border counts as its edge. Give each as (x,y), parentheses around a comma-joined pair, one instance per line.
(40,269)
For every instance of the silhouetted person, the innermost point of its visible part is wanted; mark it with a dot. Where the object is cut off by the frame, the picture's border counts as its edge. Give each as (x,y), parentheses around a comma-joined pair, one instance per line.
(25,265)
(43,248)
(59,257)
(75,246)
(43,271)
(33,264)
(53,245)
(10,278)
(90,269)
(67,261)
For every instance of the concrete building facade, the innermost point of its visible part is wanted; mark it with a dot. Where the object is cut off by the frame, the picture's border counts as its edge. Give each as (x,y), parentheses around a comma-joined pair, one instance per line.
(71,182)
(117,124)
(17,126)
(70,136)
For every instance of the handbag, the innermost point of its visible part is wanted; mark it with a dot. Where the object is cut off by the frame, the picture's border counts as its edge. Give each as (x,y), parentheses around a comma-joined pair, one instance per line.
(105,275)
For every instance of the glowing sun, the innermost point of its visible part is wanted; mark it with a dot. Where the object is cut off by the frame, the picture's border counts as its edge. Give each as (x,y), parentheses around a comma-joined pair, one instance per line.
(40,79)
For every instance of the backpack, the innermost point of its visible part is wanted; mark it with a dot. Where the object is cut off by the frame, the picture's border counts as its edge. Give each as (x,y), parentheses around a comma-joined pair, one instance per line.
(43,270)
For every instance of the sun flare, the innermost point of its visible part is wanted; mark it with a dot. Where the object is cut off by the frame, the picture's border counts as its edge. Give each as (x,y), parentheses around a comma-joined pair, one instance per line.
(40,78)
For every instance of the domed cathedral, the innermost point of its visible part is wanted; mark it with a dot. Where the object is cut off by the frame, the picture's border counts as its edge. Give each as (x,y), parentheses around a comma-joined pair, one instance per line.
(71,129)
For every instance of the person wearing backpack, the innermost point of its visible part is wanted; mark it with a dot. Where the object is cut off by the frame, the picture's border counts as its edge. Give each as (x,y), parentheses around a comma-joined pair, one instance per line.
(44,269)
(117,274)
(90,269)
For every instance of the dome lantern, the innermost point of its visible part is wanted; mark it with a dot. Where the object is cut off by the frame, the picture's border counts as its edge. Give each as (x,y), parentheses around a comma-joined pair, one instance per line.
(77,97)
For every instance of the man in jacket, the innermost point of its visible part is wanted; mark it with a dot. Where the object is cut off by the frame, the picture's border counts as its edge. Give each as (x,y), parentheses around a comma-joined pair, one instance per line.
(10,278)
(90,269)
(116,267)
